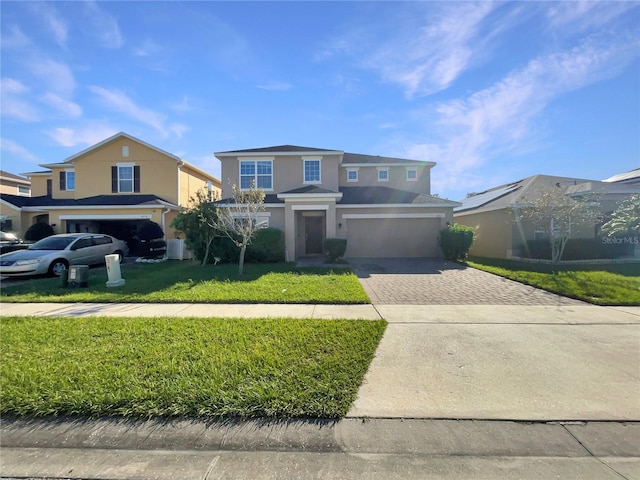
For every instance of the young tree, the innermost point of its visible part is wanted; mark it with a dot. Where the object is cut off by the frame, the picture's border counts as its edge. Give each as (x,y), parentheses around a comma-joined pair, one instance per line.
(198,224)
(625,219)
(239,219)
(559,216)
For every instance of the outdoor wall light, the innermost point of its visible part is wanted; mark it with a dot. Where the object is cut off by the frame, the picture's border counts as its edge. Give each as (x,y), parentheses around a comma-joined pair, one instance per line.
(339,225)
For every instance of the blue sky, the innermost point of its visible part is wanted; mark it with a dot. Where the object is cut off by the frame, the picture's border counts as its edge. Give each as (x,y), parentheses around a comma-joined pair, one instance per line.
(492,92)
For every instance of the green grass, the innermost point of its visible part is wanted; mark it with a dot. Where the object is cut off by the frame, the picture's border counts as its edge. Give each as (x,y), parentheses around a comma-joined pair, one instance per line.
(618,287)
(189,367)
(174,282)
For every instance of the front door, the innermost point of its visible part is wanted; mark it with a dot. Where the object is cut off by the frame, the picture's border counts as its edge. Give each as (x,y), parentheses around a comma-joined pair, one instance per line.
(313,235)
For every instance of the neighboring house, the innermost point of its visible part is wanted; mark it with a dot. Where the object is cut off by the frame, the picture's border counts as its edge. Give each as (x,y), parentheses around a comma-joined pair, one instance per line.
(381,205)
(628,178)
(11,184)
(14,184)
(499,234)
(109,188)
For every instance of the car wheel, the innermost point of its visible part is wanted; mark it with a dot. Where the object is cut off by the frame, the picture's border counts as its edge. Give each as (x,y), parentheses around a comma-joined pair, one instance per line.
(120,255)
(57,267)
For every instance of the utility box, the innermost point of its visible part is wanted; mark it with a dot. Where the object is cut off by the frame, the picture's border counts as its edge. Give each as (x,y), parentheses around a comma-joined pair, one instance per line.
(78,276)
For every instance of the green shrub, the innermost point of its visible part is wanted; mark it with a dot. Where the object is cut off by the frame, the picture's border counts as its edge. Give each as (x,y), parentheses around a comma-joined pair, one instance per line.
(456,241)
(38,231)
(335,248)
(266,247)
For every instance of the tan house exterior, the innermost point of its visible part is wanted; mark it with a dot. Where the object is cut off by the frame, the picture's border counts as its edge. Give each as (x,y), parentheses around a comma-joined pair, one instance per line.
(17,185)
(501,233)
(109,188)
(381,205)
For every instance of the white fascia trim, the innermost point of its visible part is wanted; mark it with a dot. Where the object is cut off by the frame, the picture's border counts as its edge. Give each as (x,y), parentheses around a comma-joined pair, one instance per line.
(309,195)
(260,154)
(10,205)
(15,180)
(118,135)
(245,214)
(274,205)
(369,164)
(396,205)
(347,216)
(310,207)
(98,207)
(141,216)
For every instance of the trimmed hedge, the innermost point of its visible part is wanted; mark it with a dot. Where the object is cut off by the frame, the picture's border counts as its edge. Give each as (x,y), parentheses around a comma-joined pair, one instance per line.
(578,249)
(456,241)
(334,248)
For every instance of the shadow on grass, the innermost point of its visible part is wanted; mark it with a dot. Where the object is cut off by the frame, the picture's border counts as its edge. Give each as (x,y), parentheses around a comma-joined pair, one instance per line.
(169,282)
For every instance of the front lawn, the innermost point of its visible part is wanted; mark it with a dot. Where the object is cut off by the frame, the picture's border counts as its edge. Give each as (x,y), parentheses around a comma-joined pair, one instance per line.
(618,287)
(188,367)
(175,282)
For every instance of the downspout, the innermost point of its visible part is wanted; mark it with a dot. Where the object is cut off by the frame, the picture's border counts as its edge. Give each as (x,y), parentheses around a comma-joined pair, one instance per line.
(167,210)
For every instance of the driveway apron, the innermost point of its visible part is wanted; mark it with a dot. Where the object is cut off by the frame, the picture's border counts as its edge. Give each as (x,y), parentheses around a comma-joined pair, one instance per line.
(462,343)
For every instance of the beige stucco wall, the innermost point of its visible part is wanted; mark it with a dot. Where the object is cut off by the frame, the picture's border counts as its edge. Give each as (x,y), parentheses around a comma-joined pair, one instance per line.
(368,177)
(39,185)
(57,193)
(10,187)
(493,232)
(287,172)
(191,181)
(158,172)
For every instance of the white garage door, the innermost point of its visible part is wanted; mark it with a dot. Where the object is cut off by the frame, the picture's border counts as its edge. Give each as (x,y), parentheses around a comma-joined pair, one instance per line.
(393,237)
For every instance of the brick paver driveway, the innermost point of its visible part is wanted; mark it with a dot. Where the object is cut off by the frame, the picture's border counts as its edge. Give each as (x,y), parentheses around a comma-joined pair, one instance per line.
(425,281)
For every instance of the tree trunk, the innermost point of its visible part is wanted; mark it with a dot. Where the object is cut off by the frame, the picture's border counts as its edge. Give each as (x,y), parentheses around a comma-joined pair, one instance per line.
(243,248)
(206,252)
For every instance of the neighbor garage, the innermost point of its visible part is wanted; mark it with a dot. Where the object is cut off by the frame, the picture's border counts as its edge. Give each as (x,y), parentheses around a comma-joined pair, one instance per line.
(400,235)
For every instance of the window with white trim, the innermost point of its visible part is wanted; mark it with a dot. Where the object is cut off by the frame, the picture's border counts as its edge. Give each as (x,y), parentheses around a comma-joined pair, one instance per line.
(125,177)
(412,174)
(257,172)
(312,170)
(24,190)
(67,180)
(383,174)
(352,175)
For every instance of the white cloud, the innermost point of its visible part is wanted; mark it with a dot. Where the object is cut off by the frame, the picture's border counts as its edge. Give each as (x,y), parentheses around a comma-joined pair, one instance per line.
(103,26)
(276,86)
(14,38)
(580,16)
(57,76)
(501,118)
(120,102)
(86,136)
(62,105)
(13,102)
(17,149)
(52,20)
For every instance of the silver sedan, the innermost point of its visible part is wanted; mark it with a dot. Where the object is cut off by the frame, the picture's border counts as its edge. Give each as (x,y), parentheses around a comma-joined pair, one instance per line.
(54,254)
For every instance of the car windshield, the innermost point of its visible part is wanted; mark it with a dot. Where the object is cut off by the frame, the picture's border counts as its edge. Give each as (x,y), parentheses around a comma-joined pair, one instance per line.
(52,243)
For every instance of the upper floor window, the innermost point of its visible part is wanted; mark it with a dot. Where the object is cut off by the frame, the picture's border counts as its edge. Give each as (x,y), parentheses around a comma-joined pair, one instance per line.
(383,174)
(125,178)
(412,175)
(312,171)
(67,180)
(352,175)
(258,172)
(24,190)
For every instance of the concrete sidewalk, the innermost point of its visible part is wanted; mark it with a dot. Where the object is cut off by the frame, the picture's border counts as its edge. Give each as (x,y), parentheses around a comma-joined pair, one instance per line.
(351,448)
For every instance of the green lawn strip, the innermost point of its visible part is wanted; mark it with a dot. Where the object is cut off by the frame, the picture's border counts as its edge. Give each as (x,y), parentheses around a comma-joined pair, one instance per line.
(174,281)
(188,367)
(597,287)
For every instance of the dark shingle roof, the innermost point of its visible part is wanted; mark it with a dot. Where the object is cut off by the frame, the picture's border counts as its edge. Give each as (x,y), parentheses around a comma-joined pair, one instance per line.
(109,200)
(310,189)
(361,158)
(281,148)
(386,195)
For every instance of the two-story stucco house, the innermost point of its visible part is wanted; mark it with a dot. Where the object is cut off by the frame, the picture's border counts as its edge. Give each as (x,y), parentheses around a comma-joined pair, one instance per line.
(109,188)
(383,206)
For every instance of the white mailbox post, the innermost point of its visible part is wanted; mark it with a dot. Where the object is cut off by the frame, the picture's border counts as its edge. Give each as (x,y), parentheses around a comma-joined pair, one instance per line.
(113,270)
